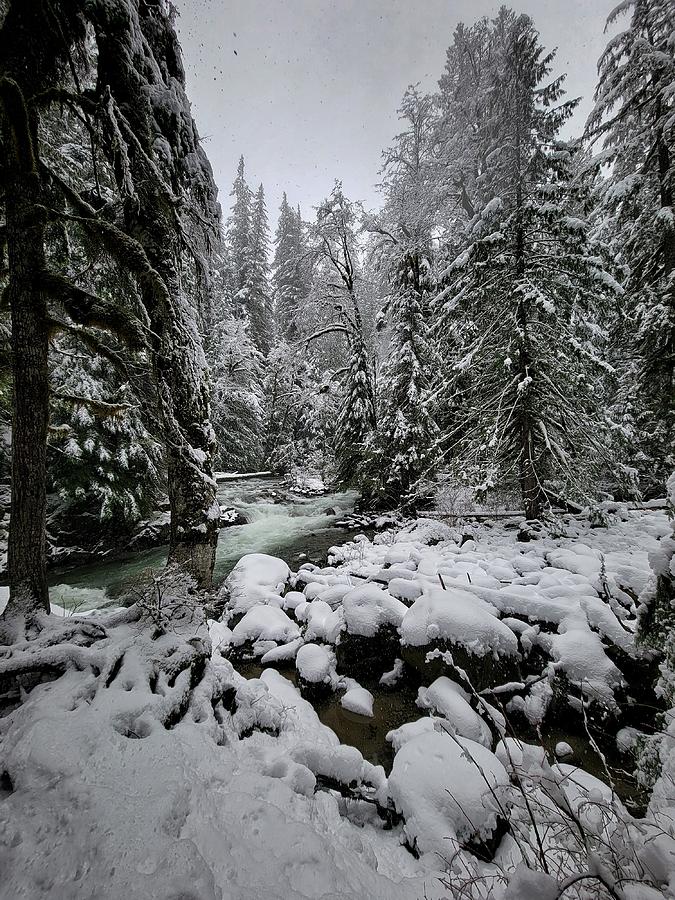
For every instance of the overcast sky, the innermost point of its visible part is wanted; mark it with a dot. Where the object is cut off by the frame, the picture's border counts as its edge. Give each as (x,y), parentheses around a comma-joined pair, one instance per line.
(308,90)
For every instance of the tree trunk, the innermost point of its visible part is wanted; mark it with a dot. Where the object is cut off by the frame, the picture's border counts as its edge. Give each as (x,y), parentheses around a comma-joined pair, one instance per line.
(25,228)
(127,57)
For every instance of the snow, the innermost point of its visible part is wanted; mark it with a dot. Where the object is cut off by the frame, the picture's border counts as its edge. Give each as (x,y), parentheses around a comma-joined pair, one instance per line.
(368,608)
(450,700)
(458,617)
(444,787)
(315,663)
(358,700)
(265,623)
(241,808)
(256,578)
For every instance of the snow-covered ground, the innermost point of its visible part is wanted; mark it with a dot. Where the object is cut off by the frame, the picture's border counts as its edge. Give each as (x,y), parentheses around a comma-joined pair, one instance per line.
(253,797)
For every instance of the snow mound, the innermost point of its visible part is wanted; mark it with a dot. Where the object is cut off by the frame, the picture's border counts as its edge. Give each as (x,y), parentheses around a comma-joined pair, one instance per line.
(265,623)
(315,663)
(367,608)
(461,618)
(450,700)
(256,578)
(444,788)
(358,700)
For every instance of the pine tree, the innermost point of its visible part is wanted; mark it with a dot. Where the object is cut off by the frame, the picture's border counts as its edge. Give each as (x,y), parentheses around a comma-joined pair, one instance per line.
(103,461)
(238,236)
(527,293)
(259,300)
(290,277)
(634,118)
(406,428)
(237,400)
(403,449)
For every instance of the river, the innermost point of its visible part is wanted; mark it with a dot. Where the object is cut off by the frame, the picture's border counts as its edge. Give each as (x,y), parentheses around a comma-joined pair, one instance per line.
(279,522)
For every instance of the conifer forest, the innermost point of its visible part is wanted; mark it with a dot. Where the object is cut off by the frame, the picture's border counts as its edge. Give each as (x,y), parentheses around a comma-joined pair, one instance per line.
(337,531)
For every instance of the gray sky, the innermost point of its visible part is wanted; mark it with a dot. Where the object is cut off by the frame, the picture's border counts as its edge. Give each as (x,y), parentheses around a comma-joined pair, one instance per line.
(311,92)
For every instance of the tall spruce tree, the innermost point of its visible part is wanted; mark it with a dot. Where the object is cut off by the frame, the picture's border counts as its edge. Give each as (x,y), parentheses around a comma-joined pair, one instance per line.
(526,293)
(238,236)
(403,447)
(290,270)
(633,122)
(260,312)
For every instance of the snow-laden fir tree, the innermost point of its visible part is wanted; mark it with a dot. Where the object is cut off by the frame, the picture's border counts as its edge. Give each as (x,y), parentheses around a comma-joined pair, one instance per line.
(238,237)
(403,447)
(633,126)
(104,464)
(237,397)
(527,295)
(291,275)
(259,299)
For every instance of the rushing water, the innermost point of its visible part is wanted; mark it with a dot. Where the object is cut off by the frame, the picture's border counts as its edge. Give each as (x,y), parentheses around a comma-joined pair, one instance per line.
(279,522)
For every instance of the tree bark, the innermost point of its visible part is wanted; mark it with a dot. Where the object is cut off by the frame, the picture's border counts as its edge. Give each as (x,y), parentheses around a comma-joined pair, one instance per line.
(25,230)
(28,305)
(139,63)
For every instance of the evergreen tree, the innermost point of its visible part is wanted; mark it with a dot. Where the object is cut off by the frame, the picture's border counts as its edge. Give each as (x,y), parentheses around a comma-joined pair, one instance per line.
(259,300)
(103,462)
(290,270)
(634,118)
(406,428)
(239,241)
(527,293)
(403,446)
(237,373)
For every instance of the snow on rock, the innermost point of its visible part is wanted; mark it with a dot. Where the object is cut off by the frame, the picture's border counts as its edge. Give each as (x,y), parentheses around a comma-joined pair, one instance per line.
(292,599)
(282,653)
(406,732)
(358,700)
(315,663)
(404,589)
(390,678)
(256,578)
(323,624)
(439,785)
(265,623)
(220,634)
(461,618)
(369,607)
(450,700)
(580,654)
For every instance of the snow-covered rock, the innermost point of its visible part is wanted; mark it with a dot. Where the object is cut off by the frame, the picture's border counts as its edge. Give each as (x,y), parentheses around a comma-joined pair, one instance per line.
(315,663)
(460,618)
(368,608)
(264,623)
(358,700)
(256,578)
(451,701)
(445,787)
